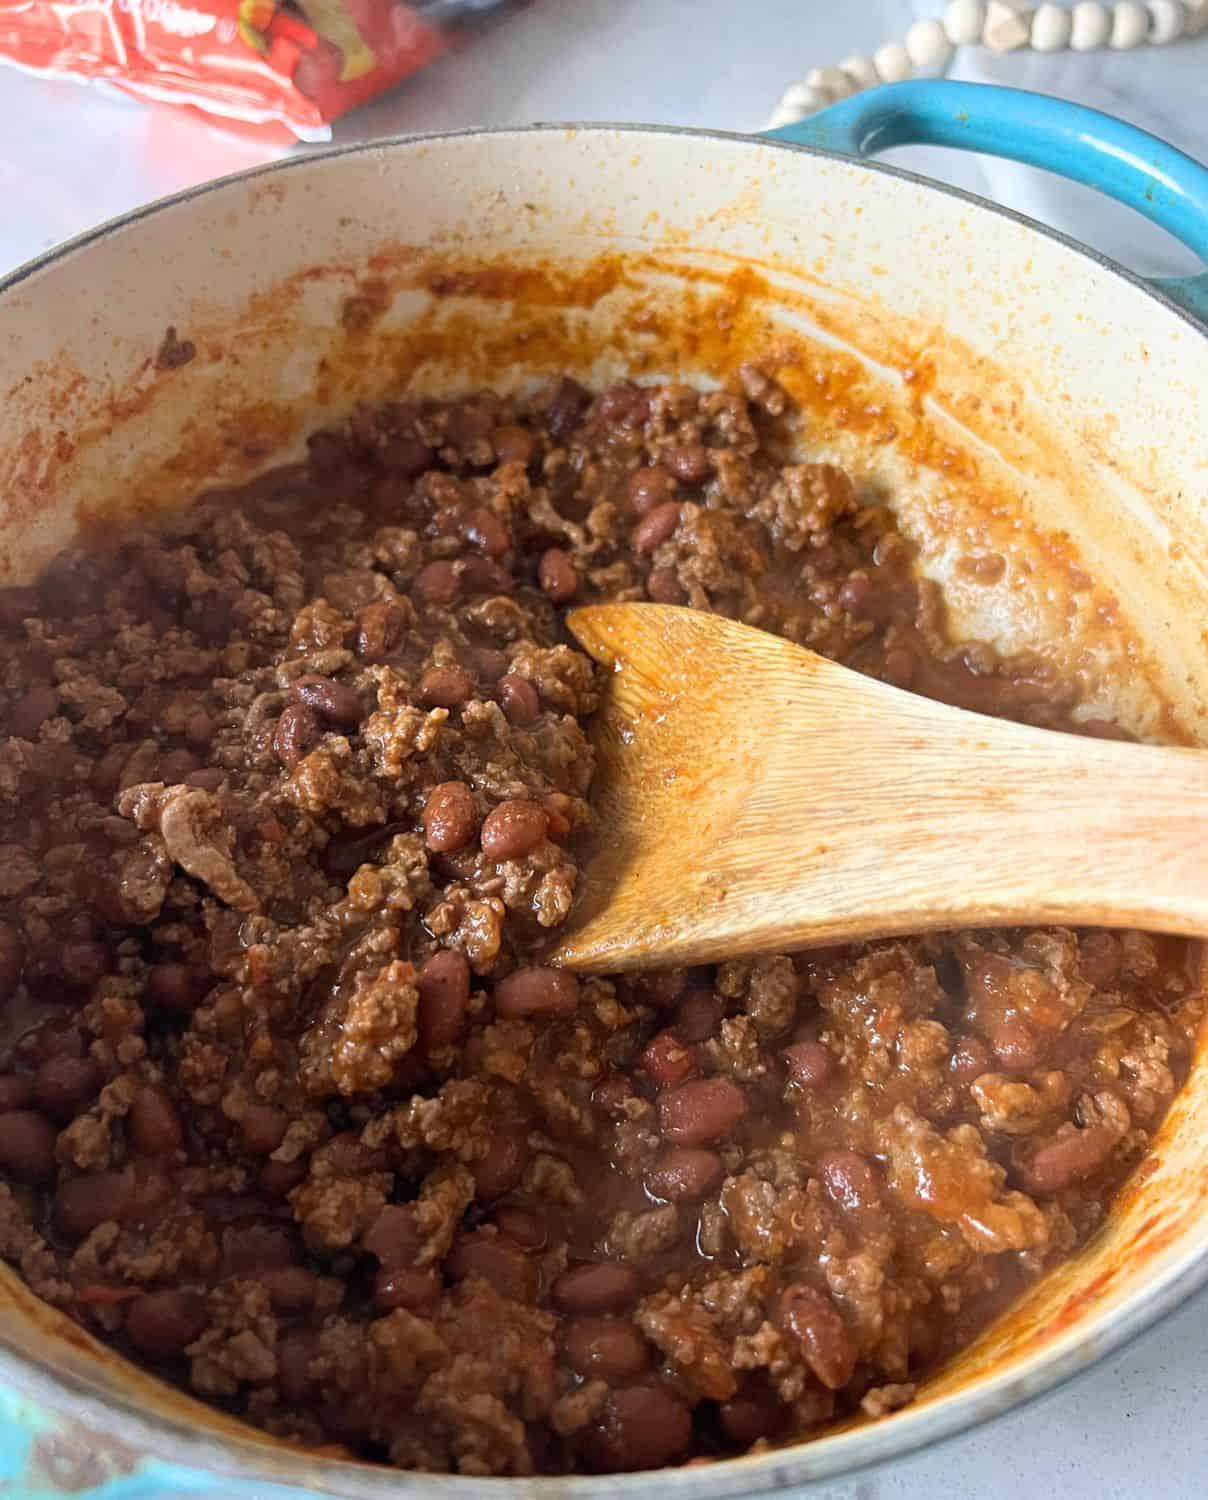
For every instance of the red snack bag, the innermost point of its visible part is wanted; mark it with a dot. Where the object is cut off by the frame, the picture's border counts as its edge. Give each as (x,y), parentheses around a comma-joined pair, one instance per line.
(299,64)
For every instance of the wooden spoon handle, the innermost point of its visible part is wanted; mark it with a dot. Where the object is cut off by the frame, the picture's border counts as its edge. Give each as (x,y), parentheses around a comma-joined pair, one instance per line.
(833,808)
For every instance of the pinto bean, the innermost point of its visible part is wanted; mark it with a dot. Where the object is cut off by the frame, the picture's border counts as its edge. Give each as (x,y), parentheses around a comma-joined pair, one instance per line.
(851,1181)
(446,687)
(500,1170)
(84,1202)
(413,1290)
(162,1324)
(406,455)
(1101,955)
(12,959)
(524,1229)
(609,1349)
(557,575)
(483,575)
(176,766)
(688,461)
(263,1127)
(685,1175)
(592,1290)
(31,711)
(854,593)
(394,1236)
(62,1085)
(290,1288)
(178,987)
(199,730)
(254,1243)
(437,585)
(295,1356)
(663,586)
(610,1094)
(811,1065)
(83,961)
(487,664)
(519,699)
(56,1037)
(278,1178)
(153,1125)
(701,1112)
(333,701)
(642,1427)
(666,1061)
(567,403)
(27,1146)
(1018,1046)
(450,819)
(347,1154)
(485,532)
(537,992)
(656,526)
(1069,1155)
(497,1260)
(16,1091)
(626,403)
(512,829)
(969,1059)
(513,444)
(809,1317)
(16,606)
(380,628)
(298,728)
(444,993)
(649,488)
(752,1414)
(209,778)
(697,1016)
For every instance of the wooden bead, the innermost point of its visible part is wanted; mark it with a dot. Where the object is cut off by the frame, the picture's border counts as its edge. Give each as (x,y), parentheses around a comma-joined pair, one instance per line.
(1090,26)
(801,96)
(1166,20)
(797,102)
(861,73)
(783,115)
(892,62)
(929,48)
(831,81)
(1051,28)
(963,21)
(1130,25)
(1006,28)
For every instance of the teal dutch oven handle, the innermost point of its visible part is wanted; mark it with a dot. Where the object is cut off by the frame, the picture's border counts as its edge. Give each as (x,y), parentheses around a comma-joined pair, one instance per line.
(1127,164)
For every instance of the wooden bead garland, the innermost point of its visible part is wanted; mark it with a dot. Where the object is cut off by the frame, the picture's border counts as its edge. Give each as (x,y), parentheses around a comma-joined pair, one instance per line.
(1003,26)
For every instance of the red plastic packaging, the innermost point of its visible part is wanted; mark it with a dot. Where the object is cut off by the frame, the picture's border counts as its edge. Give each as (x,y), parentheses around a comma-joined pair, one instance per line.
(300,64)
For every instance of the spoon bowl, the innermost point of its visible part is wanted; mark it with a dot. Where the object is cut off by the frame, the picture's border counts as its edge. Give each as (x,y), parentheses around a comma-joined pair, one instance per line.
(753,797)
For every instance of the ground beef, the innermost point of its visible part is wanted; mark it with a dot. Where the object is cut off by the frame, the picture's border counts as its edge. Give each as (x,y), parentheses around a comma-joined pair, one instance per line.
(291,796)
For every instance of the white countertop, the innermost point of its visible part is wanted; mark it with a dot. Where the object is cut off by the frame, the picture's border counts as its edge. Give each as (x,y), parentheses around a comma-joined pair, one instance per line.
(70,158)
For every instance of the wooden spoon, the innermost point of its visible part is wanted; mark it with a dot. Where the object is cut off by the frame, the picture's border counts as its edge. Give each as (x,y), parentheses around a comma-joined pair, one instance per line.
(754,797)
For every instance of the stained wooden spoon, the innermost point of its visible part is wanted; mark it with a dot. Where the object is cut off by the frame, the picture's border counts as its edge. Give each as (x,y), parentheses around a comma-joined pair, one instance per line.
(754,797)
